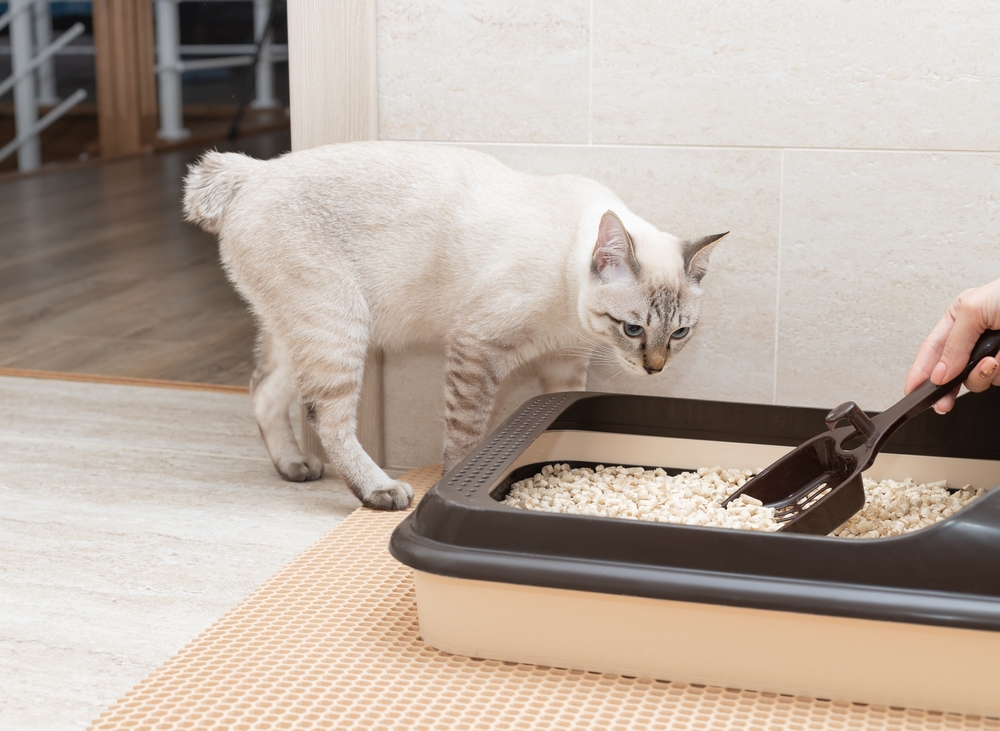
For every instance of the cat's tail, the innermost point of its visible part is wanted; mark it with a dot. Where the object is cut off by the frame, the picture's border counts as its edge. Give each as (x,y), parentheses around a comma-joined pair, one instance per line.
(211,184)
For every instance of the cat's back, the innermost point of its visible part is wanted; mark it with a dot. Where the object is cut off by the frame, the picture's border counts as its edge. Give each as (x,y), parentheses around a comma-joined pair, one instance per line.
(412,200)
(388,181)
(365,173)
(338,190)
(413,160)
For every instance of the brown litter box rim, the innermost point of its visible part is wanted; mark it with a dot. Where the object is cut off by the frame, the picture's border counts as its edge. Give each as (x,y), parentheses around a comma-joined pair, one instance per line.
(460,530)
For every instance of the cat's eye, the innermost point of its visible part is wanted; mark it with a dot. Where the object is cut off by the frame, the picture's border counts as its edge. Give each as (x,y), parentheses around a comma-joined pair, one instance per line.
(680,332)
(633,330)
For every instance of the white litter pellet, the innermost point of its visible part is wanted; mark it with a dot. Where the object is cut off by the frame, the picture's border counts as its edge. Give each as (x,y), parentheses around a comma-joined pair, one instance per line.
(892,508)
(695,498)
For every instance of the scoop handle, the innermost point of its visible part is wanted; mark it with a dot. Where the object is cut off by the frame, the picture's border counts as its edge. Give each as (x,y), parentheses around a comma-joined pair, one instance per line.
(926,394)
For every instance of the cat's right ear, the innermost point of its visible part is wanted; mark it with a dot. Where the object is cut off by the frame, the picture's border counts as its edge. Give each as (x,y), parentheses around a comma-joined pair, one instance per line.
(696,256)
(613,257)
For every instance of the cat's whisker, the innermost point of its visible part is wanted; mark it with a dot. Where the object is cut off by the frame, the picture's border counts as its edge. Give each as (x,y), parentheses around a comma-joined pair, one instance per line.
(586,338)
(610,365)
(619,372)
(585,353)
(605,357)
(613,369)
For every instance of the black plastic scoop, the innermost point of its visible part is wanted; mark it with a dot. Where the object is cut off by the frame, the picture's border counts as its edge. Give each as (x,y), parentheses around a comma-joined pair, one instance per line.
(817,487)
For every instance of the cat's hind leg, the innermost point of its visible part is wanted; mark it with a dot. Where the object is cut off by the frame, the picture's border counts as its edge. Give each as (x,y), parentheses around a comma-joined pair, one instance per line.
(329,366)
(273,391)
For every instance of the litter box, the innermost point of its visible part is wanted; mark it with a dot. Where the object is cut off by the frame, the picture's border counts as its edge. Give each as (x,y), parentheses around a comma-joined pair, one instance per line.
(910,621)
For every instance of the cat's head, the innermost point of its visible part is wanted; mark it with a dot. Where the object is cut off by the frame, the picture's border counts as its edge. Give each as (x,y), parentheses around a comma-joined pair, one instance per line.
(642,295)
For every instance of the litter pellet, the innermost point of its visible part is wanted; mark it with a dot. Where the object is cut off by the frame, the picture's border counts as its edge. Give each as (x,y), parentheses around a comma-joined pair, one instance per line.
(695,498)
(893,508)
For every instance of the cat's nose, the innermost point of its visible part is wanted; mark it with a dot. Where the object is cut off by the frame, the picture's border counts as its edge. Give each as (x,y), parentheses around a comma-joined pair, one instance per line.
(654,361)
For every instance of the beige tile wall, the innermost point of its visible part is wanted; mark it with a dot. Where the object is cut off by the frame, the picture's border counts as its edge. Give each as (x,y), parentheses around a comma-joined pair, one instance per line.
(874,246)
(496,70)
(851,148)
(874,74)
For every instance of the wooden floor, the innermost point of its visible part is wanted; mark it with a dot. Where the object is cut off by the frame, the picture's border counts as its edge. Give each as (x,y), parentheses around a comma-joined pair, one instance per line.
(74,136)
(100,275)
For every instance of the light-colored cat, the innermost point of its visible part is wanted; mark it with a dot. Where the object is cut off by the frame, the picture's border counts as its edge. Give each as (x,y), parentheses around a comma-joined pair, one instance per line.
(342,248)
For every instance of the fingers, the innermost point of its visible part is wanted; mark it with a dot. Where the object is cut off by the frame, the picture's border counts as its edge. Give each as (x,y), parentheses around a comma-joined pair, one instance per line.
(929,354)
(945,403)
(945,353)
(975,311)
(984,375)
(958,348)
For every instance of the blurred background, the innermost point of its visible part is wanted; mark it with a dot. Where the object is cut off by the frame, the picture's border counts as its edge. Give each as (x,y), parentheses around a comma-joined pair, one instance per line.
(103,105)
(204,52)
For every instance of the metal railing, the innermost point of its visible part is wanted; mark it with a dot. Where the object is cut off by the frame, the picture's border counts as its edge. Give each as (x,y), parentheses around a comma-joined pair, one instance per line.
(170,65)
(33,77)
(24,65)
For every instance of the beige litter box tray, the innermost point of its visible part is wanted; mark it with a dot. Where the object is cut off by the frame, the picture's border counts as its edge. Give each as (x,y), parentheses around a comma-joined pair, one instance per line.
(911,621)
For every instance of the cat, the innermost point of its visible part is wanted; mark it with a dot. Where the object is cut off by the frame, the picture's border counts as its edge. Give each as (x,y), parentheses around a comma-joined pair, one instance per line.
(342,248)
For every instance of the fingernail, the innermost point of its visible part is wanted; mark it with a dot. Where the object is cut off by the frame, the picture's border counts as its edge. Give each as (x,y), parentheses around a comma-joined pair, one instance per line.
(937,375)
(988,371)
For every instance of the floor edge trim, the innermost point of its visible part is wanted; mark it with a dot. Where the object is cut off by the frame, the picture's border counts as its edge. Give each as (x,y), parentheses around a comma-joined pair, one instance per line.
(122,380)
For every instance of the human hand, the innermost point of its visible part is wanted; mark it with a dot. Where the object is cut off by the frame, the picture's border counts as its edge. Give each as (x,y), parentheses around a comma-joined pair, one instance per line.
(946,350)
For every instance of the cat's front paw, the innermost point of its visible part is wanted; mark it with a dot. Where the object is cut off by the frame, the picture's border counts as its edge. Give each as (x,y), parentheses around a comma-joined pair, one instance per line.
(307,467)
(392,495)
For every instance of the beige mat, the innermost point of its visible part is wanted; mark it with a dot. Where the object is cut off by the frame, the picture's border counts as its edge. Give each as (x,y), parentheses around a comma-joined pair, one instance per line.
(332,642)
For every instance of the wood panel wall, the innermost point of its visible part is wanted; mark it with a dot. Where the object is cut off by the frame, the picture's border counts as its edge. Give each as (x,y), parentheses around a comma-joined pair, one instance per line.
(334,98)
(126,82)
(332,72)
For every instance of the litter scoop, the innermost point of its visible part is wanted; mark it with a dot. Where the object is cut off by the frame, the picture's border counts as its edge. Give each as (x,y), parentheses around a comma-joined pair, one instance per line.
(817,487)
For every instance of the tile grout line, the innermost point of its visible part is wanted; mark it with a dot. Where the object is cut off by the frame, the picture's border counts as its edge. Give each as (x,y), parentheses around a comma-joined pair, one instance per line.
(112,445)
(590,82)
(777,278)
(663,146)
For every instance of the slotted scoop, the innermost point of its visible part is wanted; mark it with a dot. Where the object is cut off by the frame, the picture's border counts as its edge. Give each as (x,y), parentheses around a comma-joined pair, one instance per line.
(817,487)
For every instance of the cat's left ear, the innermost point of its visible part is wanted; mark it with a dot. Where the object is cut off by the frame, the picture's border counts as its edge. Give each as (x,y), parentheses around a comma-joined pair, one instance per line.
(696,256)
(614,256)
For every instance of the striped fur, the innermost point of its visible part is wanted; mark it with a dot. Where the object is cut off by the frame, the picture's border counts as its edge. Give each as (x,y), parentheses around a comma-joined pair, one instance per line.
(346,247)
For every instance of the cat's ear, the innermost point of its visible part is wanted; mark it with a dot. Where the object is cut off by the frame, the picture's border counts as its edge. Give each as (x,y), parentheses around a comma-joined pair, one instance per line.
(696,256)
(613,256)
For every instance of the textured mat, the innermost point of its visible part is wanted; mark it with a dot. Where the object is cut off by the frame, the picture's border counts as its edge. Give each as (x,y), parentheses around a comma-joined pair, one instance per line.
(332,642)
